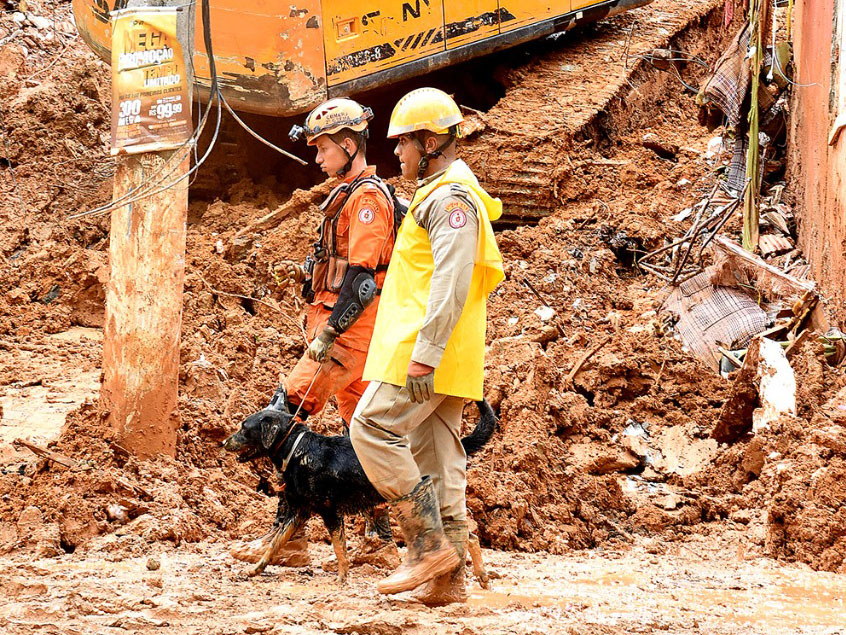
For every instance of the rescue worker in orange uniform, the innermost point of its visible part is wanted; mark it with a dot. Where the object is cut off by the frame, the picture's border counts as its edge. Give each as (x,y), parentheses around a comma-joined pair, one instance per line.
(341,282)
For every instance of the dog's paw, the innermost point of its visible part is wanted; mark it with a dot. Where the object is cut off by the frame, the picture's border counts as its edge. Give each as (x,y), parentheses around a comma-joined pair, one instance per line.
(256,570)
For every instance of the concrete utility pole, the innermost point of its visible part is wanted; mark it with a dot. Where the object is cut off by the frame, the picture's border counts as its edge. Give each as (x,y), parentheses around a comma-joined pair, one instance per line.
(144,294)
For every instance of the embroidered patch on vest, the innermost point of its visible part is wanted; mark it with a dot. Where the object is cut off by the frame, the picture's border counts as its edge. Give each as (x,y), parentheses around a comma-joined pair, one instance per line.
(366,215)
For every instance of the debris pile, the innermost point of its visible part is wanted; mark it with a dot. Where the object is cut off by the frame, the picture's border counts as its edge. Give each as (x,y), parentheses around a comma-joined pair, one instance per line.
(607,418)
(757,320)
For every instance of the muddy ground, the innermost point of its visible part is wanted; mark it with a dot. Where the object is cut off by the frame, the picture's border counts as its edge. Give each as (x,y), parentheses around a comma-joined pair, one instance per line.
(603,502)
(700,586)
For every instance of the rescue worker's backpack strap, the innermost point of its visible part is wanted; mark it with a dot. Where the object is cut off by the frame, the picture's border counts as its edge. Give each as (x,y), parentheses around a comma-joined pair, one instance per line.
(331,270)
(400,208)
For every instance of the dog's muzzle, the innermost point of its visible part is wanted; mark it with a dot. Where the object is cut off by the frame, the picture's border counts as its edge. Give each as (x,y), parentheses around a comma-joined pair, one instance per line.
(245,452)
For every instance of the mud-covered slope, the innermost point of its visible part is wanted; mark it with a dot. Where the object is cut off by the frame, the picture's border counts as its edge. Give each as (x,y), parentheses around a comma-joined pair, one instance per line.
(605,418)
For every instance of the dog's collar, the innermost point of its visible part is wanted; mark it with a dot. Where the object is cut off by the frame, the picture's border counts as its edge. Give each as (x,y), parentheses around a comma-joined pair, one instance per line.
(277,445)
(293,449)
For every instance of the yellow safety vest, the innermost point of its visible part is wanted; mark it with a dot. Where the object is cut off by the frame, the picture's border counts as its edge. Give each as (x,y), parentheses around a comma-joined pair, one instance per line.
(405,296)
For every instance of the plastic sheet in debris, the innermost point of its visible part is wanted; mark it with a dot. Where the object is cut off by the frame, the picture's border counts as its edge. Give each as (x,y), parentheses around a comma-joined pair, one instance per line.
(733,300)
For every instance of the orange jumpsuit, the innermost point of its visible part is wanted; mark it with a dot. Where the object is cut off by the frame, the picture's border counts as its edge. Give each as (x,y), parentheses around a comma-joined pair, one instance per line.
(364,235)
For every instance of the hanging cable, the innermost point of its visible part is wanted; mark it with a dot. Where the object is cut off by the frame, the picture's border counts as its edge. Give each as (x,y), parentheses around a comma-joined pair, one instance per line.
(214,93)
(681,57)
(258,136)
(776,61)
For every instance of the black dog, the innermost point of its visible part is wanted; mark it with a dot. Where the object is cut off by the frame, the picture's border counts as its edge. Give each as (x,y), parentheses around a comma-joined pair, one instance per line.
(322,474)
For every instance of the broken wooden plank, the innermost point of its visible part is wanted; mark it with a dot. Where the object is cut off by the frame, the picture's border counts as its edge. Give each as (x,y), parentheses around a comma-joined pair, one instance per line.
(300,200)
(537,294)
(61,459)
(265,222)
(590,353)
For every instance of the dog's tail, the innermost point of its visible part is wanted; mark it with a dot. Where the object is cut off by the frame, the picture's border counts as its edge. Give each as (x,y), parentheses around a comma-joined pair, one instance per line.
(483,431)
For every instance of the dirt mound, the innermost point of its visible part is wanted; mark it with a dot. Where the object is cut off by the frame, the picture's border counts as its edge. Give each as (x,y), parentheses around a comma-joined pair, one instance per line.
(793,472)
(55,97)
(50,508)
(786,483)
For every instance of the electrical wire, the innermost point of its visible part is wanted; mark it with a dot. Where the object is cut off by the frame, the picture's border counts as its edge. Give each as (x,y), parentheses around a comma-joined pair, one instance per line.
(146,194)
(776,62)
(133,195)
(180,154)
(176,159)
(199,117)
(692,89)
(215,95)
(257,135)
(683,58)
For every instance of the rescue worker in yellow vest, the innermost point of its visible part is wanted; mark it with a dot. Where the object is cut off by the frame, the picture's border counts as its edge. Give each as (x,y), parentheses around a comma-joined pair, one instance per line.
(427,353)
(341,281)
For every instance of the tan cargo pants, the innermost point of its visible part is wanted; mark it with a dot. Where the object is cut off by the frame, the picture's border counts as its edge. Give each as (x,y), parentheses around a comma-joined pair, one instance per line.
(398,441)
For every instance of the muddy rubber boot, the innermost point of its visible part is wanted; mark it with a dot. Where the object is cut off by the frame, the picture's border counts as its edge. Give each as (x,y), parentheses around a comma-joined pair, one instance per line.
(378,524)
(428,552)
(377,546)
(450,587)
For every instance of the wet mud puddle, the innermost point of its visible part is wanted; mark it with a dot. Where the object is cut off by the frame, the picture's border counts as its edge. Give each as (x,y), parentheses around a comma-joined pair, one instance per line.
(757,594)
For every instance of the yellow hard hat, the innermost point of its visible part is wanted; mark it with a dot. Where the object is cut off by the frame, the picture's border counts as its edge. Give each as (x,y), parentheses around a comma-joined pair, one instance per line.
(335,115)
(424,109)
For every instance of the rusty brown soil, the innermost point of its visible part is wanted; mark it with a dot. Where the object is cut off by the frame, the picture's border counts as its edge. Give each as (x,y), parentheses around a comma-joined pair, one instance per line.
(614,458)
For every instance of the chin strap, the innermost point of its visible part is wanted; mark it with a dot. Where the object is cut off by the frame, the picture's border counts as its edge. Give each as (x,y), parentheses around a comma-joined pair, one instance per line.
(423,164)
(363,135)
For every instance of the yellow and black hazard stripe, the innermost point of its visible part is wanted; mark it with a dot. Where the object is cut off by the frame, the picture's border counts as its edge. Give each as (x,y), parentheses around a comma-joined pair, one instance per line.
(434,35)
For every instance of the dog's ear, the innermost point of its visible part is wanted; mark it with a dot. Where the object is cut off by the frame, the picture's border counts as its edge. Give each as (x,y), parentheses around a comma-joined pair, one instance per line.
(271,426)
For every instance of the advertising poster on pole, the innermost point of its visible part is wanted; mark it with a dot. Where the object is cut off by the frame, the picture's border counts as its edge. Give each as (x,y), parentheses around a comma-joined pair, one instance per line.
(150,106)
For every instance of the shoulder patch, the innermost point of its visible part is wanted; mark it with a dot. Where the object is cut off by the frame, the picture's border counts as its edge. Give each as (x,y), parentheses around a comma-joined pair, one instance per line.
(366,215)
(457,211)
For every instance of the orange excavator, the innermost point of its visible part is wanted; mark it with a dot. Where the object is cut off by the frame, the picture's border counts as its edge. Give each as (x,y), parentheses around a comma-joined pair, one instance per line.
(282,59)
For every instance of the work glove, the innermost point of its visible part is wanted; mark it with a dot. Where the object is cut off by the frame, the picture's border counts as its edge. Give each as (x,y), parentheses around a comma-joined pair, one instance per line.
(319,348)
(421,388)
(288,272)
